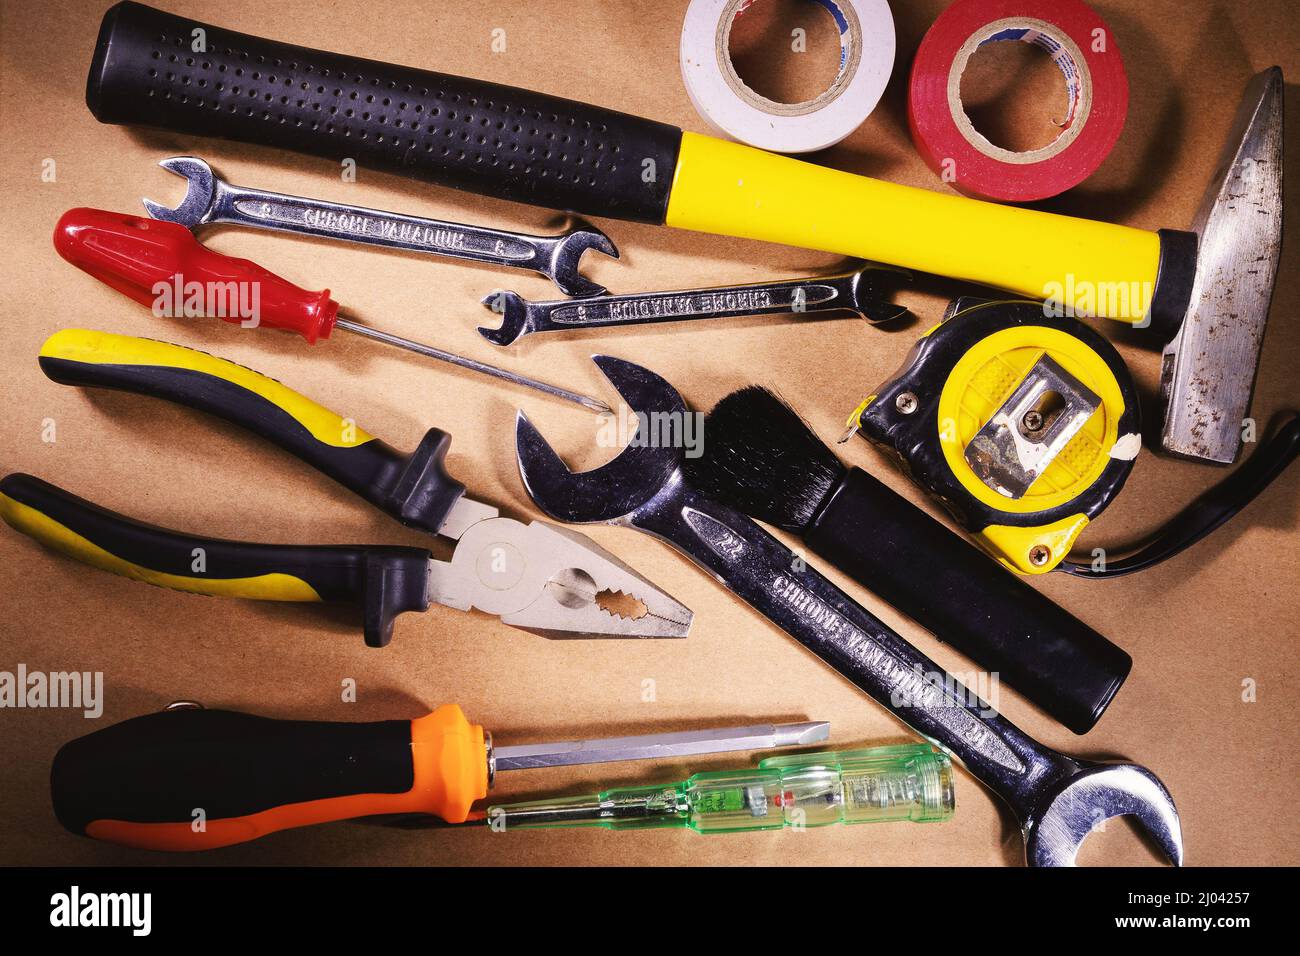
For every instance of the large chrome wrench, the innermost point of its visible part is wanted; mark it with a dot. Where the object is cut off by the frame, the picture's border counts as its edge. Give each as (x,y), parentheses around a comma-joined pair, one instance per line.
(1057,799)
(853,291)
(210,199)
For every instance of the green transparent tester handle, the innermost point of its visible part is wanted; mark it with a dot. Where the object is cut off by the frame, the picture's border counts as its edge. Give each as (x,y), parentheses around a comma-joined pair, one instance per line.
(905,782)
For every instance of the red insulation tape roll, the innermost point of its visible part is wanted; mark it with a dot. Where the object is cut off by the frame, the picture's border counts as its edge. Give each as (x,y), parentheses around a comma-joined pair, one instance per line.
(1084,49)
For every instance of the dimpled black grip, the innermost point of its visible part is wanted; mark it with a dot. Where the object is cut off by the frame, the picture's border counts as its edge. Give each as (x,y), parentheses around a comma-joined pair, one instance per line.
(458,132)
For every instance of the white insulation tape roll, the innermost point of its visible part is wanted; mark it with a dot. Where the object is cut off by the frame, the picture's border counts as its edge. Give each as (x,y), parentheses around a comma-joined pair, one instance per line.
(733,110)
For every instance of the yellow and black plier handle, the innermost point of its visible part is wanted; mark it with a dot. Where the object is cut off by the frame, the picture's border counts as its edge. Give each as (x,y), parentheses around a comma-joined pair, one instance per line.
(415,489)
(384,581)
(532,576)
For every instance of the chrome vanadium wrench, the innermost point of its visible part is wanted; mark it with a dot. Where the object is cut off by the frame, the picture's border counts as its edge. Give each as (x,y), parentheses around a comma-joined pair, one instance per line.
(854,291)
(211,199)
(1057,799)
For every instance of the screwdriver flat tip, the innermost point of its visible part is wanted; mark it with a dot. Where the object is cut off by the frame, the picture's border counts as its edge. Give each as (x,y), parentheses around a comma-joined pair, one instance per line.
(802,734)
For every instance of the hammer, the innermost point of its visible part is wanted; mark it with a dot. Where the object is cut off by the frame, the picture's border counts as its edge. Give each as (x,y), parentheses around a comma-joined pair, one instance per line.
(152,68)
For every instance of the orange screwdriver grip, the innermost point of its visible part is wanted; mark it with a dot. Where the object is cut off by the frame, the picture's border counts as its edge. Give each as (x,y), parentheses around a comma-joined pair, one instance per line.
(162,265)
(201,779)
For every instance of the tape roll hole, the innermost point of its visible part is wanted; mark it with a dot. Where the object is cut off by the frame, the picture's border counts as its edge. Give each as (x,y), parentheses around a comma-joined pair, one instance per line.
(1020,91)
(788,57)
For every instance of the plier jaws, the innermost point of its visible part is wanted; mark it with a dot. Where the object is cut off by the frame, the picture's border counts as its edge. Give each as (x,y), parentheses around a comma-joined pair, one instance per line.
(534,576)
(553,582)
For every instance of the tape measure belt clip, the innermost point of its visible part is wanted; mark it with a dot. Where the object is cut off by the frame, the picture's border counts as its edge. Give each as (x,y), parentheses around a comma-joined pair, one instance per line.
(1031,428)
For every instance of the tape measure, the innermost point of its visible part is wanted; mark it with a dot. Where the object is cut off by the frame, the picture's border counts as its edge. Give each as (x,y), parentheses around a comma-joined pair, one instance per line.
(1024,425)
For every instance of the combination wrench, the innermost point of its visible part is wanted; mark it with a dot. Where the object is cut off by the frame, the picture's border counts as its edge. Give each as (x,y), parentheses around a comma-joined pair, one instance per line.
(854,291)
(210,199)
(1057,799)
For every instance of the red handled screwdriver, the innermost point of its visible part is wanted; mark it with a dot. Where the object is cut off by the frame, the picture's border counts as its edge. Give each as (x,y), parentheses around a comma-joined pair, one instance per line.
(162,265)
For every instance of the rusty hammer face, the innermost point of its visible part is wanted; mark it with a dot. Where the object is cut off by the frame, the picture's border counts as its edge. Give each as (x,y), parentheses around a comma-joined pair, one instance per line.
(1208,370)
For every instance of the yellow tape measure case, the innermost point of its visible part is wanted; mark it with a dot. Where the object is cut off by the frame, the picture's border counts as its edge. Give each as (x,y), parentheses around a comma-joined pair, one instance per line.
(1023,424)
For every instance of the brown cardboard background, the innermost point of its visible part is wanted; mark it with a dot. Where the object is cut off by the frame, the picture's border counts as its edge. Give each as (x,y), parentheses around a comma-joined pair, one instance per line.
(1196,626)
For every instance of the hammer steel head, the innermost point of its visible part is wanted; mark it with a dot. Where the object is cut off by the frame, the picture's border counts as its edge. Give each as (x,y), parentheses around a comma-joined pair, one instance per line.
(200,198)
(1208,371)
(1083,801)
(617,488)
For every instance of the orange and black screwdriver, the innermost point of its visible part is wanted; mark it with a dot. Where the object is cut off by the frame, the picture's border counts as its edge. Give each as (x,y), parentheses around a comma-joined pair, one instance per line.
(188,778)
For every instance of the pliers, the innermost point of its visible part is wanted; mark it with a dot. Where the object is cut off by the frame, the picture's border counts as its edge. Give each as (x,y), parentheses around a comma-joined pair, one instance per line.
(536,576)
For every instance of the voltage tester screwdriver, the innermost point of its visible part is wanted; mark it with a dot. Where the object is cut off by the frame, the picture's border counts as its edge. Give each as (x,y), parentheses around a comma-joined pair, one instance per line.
(135,255)
(900,783)
(148,781)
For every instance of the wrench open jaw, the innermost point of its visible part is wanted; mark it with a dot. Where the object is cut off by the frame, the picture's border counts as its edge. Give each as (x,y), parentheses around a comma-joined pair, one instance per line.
(619,487)
(515,317)
(563,255)
(1057,799)
(210,199)
(200,200)
(1086,799)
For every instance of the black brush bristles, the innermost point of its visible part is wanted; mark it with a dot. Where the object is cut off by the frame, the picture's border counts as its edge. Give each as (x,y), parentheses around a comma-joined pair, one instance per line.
(761,458)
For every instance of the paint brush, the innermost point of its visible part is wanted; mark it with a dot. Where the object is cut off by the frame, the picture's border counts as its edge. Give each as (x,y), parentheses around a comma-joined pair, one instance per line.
(762,458)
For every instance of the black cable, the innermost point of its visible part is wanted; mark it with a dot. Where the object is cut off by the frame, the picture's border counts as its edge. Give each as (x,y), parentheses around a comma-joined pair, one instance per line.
(1211,509)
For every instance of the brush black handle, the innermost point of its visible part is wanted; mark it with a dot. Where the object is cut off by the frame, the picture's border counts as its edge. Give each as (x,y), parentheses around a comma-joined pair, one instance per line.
(965,598)
(458,132)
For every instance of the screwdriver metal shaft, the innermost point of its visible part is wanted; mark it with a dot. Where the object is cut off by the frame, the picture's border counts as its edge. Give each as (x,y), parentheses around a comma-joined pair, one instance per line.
(378,335)
(658,746)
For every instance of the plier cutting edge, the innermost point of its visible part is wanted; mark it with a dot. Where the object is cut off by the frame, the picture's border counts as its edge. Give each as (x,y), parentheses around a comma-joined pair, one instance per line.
(535,576)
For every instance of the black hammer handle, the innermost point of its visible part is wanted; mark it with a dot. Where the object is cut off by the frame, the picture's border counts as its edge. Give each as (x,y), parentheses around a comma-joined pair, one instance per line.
(154,69)
(966,599)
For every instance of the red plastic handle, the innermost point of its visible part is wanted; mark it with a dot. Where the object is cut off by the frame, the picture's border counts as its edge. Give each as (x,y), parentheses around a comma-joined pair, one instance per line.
(162,265)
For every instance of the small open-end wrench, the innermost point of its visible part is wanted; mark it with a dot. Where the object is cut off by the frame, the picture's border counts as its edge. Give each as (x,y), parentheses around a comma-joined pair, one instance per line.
(1057,799)
(853,291)
(211,199)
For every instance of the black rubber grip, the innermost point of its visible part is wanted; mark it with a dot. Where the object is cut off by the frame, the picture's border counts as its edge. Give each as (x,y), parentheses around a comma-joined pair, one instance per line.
(458,132)
(162,767)
(415,489)
(967,600)
(1174,280)
(384,581)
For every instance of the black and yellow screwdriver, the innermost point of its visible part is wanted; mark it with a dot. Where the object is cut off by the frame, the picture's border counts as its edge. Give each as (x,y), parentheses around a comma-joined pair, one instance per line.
(189,778)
